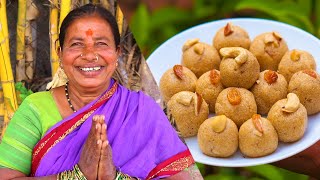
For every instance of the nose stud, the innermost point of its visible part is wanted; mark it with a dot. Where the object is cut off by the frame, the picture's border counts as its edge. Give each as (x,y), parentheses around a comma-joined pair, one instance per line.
(97,57)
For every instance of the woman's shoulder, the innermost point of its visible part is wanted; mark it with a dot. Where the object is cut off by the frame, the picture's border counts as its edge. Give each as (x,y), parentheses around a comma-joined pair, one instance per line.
(39,96)
(136,94)
(41,108)
(39,99)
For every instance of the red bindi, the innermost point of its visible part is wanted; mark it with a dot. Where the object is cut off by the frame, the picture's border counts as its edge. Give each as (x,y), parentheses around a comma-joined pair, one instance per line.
(89,32)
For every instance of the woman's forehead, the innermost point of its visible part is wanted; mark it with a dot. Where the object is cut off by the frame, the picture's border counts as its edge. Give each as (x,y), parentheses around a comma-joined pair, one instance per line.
(90,25)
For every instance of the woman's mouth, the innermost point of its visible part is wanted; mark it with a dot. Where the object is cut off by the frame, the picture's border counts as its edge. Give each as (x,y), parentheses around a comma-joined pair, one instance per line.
(90,69)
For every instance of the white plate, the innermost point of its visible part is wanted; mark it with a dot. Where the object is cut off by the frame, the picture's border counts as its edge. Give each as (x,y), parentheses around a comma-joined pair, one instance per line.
(169,54)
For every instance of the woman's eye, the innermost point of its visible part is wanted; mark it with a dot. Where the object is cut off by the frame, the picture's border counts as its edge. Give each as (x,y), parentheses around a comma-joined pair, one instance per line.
(76,44)
(102,44)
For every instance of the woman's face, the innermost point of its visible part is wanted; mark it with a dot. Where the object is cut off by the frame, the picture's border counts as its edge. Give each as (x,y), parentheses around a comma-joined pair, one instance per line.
(89,55)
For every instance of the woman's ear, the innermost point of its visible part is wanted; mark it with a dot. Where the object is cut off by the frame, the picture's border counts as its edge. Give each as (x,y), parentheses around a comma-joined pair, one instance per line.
(119,51)
(58,48)
(59,52)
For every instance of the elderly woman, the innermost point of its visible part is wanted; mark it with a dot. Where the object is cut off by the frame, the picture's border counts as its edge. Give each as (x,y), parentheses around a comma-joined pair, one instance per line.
(91,128)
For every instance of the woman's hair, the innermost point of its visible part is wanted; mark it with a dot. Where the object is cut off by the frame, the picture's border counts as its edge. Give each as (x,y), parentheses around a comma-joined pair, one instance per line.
(85,11)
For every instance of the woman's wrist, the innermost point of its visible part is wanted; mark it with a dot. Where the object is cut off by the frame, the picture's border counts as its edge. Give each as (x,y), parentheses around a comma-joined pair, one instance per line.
(75,173)
(122,176)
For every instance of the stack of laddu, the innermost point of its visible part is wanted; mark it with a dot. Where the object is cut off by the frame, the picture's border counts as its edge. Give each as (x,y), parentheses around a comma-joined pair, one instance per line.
(260,91)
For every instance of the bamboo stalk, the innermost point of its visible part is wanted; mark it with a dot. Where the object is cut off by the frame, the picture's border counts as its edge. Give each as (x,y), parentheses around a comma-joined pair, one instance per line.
(74,4)
(119,16)
(32,14)
(3,19)
(83,2)
(65,7)
(112,6)
(28,51)
(53,29)
(6,74)
(95,1)
(9,111)
(1,104)
(105,4)
(21,27)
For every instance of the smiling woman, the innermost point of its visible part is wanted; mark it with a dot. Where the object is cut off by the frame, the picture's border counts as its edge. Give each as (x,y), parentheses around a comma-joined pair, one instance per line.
(89,53)
(91,127)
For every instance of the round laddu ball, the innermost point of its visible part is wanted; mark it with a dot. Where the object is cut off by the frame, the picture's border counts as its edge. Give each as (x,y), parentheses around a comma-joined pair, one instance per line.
(257,137)
(238,68)
(268,89)
(294,61)
(306,85)
(290,125)
(238,104)
(177,79)
(188,110)
(199,57)
(231,36)
(218,137)
(268,48)
(209,86)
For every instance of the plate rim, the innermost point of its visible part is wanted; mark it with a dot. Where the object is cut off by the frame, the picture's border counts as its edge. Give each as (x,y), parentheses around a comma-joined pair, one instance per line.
(254,161)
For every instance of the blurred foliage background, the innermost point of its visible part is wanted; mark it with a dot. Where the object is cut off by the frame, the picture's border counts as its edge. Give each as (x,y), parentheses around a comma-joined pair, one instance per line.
(153,24)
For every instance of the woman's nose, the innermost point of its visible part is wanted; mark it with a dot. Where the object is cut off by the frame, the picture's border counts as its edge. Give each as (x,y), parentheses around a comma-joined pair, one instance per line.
(89,54)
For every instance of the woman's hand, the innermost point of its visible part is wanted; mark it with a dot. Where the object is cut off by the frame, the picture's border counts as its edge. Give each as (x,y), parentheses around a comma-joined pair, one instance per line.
(106,169)
(90,155)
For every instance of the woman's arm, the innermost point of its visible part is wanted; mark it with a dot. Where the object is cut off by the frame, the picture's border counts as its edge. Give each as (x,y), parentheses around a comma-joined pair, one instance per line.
(307,162)
(88,162)
(6,174)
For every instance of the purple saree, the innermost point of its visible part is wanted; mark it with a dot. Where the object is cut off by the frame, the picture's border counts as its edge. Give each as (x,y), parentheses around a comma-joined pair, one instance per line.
(143,142)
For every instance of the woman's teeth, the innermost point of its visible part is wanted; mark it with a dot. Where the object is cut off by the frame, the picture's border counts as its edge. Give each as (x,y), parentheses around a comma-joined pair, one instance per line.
(87,69)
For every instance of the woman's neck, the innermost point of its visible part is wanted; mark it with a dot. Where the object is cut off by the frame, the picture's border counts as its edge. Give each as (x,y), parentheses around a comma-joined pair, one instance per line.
(80,97)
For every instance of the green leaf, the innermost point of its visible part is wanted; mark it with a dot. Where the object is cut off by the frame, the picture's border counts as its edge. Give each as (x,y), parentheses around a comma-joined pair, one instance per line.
(298,21)
(23,96)
(316,15)
(273,173)
(227,170)
(271,7)
(202,8)
(306,5)
(256,178)
(266,171)
(227,7)
(29,92)
(18,85)
(140,24)
(168,16)
(292,13)
(23,91)
(201,167)
(224,177)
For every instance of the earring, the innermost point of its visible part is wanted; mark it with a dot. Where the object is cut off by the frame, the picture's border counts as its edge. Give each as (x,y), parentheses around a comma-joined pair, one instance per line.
(81,55)
(60,64)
